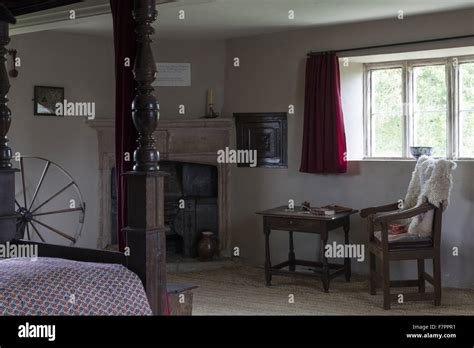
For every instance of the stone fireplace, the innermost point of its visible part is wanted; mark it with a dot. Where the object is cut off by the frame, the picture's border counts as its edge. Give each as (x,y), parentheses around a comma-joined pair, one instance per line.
(188,152)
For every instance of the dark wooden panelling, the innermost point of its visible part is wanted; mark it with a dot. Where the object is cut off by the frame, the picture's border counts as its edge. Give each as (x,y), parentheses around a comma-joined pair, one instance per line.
(267,133)
(22,7)
(76,254)
(7,204)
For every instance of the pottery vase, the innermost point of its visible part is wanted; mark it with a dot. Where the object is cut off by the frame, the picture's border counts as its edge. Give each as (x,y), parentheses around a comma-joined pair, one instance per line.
(207,246)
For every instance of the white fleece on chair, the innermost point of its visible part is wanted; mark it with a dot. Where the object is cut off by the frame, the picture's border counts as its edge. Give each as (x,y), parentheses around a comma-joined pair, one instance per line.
(431,182)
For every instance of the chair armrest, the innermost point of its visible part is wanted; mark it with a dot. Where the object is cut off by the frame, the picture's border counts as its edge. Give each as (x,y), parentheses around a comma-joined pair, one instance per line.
(381,209)
(403,214)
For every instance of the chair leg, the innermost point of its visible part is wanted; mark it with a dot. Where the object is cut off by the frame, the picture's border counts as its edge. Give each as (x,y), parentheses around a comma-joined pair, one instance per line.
(437,279)
(386,282)
(372,274)
(421,279)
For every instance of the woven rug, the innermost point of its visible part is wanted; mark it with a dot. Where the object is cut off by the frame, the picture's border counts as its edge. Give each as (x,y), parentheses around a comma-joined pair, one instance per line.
(241,291)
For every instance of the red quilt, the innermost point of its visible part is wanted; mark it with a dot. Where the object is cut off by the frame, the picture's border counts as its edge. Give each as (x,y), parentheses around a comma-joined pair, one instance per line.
(50,286)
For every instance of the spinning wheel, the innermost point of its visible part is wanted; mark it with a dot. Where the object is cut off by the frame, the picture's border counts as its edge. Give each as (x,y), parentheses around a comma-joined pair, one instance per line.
(49,206)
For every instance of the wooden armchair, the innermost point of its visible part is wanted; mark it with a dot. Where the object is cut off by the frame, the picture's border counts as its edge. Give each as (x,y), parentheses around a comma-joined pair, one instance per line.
(385,250)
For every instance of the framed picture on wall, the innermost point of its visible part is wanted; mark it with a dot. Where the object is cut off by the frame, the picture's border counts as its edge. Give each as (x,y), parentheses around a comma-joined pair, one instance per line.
(45,100)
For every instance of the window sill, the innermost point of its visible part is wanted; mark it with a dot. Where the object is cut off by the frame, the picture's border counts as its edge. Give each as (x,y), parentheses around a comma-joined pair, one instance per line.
(388,159)
(373,159)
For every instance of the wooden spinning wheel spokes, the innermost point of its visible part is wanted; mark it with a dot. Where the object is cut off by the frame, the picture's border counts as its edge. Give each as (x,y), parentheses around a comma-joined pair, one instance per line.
(31,214)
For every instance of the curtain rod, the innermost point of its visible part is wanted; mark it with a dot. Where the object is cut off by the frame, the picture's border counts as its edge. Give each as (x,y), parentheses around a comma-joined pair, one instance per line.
(393,45)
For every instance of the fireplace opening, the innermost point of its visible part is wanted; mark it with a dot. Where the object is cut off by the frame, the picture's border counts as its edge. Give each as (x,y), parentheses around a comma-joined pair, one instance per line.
(191,206)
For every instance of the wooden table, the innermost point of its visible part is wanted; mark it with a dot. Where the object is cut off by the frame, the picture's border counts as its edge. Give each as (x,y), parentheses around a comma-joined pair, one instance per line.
(296,220)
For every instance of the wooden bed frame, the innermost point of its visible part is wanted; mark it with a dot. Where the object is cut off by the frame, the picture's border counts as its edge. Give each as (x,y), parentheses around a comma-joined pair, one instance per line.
(146,230)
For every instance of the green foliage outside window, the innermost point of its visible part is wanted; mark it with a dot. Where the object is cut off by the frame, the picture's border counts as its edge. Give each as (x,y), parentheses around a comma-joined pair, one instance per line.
(387,113)
(429,110)
(430,101)
(466,110)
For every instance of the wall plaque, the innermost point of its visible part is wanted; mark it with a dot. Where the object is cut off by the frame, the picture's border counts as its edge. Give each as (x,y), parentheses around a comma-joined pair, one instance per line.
(173,75)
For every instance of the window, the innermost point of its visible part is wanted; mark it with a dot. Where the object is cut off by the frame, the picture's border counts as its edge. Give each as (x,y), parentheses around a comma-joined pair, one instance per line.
(466,110)
(387,112)
(419,103)
(430,108)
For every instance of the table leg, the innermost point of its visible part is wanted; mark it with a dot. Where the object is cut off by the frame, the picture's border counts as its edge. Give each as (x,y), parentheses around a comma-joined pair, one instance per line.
(291,253)
(347,260)
(325,275)
(268,264)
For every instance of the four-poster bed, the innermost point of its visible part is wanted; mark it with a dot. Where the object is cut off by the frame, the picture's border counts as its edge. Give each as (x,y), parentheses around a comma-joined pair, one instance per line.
(145,231)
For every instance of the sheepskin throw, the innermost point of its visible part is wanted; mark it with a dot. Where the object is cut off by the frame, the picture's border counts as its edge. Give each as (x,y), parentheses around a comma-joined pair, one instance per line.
(431,182)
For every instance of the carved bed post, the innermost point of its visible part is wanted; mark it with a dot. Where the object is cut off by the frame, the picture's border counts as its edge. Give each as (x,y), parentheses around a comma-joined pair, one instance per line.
(145,184)
(7,173)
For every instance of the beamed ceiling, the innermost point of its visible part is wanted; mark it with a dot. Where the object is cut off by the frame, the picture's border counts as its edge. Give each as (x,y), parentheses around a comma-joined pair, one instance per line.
(22,7)
(223,19)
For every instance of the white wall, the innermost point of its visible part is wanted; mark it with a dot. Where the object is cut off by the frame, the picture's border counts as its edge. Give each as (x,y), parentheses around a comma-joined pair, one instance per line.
(207,58)
(84,67)
(271,77)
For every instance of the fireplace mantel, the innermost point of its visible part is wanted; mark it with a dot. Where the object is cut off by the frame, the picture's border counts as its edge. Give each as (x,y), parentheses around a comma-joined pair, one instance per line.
(105,123)
(184,140)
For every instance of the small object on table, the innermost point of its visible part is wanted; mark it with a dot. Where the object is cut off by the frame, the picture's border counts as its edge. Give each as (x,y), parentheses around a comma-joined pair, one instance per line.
(283,220)
(323,211)
(338,208)
(327,210)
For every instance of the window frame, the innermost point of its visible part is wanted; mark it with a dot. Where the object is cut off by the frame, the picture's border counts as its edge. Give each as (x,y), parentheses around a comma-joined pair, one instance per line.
(456,100)
(452,104)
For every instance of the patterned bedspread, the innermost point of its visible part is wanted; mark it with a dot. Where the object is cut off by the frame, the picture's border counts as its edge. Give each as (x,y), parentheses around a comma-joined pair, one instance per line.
(50,286)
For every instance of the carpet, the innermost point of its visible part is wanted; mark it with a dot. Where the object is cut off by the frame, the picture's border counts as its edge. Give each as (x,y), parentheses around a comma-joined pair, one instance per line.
(241,291)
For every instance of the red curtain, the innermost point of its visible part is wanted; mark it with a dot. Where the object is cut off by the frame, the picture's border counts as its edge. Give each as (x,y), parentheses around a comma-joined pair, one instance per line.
(125,132)
(324,140)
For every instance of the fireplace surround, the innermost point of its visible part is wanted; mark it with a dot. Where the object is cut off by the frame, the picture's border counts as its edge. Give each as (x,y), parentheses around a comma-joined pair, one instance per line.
(190,141)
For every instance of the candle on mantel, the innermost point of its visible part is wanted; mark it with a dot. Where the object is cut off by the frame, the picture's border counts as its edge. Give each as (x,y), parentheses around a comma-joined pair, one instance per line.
(210,100)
